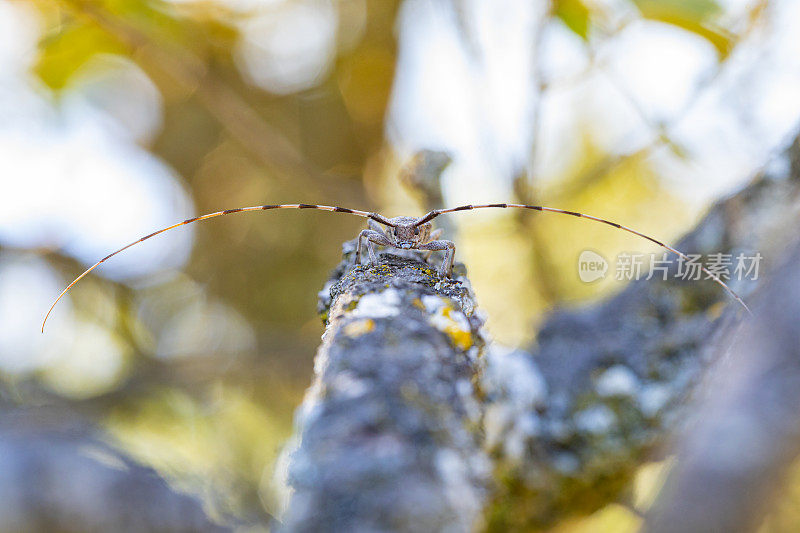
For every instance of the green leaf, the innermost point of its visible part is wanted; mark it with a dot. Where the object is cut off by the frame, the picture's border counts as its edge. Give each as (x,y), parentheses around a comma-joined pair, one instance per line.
(697,10)
(65,50)
(574,14)
(695,16)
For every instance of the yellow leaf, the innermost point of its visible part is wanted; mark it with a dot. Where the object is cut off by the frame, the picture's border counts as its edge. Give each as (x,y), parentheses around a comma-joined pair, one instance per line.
(574,14)
(695,16)
(68,48)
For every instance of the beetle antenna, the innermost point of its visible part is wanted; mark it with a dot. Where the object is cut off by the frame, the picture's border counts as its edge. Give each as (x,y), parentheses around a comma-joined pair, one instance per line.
(436,212)
(374,216)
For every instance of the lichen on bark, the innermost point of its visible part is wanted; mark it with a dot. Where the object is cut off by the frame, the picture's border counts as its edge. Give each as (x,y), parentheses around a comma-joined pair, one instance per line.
(415,423)
(389,433)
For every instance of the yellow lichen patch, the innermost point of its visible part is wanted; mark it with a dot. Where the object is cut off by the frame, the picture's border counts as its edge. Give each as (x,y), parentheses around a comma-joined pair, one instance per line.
(425,270)
(359,327)
(451,322)
(383,270)
(461,337)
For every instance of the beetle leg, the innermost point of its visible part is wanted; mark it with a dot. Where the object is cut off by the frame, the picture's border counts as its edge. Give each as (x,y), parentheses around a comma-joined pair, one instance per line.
(373,237)
(435,234)
(446,269)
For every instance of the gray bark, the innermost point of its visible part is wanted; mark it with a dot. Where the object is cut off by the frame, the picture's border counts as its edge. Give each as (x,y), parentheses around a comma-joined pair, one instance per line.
(617,374)
(388,435)
(566,423)
(745,433)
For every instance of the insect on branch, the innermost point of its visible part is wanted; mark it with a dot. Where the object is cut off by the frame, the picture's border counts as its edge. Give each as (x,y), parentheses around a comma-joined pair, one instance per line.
(401,232)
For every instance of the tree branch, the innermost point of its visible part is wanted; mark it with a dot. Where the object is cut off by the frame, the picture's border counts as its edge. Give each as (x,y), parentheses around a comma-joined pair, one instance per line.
(745,435)
(617,373)
(388,434)
(396,430)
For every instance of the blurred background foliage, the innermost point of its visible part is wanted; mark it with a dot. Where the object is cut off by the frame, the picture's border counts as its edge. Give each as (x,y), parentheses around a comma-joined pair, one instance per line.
(192,351)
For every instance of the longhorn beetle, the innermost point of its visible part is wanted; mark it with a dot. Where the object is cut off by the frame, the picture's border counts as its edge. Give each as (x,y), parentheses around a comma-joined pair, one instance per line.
(401,232)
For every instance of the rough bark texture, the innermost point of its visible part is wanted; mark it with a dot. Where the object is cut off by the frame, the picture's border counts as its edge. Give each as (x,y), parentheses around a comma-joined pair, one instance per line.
(394,431)
(745,434)
(388,433)
(615,375)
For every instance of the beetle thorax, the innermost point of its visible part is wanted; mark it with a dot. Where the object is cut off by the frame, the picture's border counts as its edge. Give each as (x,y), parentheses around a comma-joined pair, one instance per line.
(407,235)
